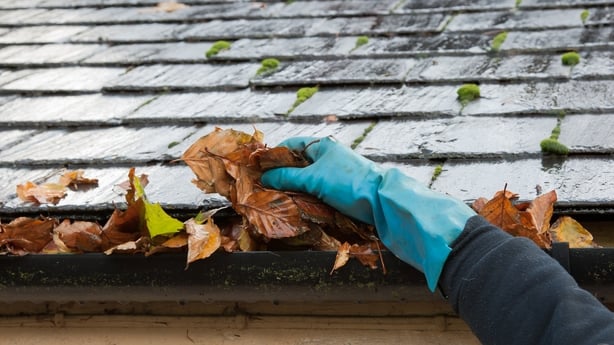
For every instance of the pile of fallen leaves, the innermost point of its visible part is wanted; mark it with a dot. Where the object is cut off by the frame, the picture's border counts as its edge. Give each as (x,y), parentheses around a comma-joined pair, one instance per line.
(230,163)
(532,219)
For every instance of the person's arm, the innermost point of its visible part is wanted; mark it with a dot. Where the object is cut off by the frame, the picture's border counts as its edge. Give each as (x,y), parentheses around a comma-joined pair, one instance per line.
(509,291)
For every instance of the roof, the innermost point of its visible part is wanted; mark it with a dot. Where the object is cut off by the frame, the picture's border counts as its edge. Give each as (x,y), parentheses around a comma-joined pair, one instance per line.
(108,84)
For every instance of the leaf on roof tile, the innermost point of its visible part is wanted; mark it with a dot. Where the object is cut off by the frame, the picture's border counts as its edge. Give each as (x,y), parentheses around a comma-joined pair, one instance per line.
(76,180)
(168,6)
(46,193)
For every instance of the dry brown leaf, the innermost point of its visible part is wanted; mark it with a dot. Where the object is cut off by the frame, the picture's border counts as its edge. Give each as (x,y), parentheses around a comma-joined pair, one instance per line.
(365,255)
(567,229)
(47,193)
(26,235)
(203,239)
(80,236)
(75,180)
(343,255)
(141,245)
(501,212)
(124,226)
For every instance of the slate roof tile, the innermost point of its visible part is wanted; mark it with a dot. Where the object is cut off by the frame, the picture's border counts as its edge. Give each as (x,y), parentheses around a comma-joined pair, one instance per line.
(107,84)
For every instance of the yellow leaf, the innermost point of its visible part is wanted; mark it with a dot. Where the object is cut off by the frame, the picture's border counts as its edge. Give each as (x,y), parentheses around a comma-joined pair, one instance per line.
(567,229)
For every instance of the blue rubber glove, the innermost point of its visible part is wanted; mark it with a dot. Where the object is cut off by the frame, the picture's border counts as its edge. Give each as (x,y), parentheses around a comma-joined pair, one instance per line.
(415,223)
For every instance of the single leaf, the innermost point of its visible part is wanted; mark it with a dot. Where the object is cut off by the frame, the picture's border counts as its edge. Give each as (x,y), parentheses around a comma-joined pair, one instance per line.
(541,209)
(203,239)
(365,255)
(277,157)
(343,255)
(80,236)
(47,193)
(158,222)
(169,6)
(76,181)
(567,229)
(124,226)
(26,235)
(131,247)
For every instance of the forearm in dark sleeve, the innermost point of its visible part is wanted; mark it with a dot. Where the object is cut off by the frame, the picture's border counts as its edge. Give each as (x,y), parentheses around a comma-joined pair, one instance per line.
(509,291)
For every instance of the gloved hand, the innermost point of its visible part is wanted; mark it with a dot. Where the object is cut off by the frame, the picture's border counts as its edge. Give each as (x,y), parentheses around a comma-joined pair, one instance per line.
(415,223)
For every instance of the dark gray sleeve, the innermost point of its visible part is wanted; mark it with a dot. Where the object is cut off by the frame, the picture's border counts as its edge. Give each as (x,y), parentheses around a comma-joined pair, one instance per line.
(509,291)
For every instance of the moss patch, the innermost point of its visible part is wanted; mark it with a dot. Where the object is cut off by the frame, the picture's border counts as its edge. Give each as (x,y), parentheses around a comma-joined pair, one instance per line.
(364,134)
(436,173)
(570,59)
(361,41)
(497,41)
(217,47)
(552,144)
(584,16)
(302,95)
(467,93)
(267,66)
(518,2)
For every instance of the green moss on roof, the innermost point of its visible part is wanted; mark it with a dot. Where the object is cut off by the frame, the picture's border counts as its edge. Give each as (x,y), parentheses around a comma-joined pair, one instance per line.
(497,41)
(570,59)
(584,16)
(362,137)
(553,146)
(302,95)
(361,41)
(217,47)
(268,65)
(467,93)
(518,2)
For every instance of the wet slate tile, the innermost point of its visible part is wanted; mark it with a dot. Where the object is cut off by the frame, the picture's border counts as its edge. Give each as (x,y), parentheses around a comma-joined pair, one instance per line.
(116,145)
(19,17)
(130,33)
(373,102)
(576,38)
(594,65)
(367,71)
(276,132)
(41,34)
(446,43)
(65,79)
(69,110)
(453,5)
(202,77)
(336,8)
(456,137)
(411,23)
(588,133)
(10,137)
(291,48)
(574,179)
(562,3)
(240,106)
(544,98)
(148,53)
(169,185)
(542,19)
(486,67)
(47,54)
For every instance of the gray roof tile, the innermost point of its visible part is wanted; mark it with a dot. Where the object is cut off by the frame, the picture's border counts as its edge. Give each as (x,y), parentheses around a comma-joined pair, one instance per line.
(294,48)
(456,137)
(366,71)
(412,23)
(588,133)
(129,33)
(69,110)
(454,5)
(523,20)
(66,79)
(576,38)
(126,54)
(575,179)
(48,54)
(237,106)
(191,77)
(41,34)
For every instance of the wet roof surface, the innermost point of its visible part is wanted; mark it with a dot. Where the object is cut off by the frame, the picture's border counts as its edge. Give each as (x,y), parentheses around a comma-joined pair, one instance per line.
(104,85)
